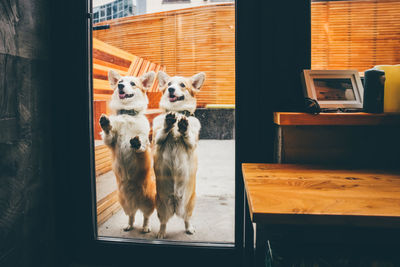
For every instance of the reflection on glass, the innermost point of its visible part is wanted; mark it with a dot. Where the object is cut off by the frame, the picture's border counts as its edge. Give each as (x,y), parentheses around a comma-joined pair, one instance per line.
(177,38)
(334,89)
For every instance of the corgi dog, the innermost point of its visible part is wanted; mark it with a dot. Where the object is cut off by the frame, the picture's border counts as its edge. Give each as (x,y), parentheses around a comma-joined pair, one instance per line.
(175,136)
(127,136)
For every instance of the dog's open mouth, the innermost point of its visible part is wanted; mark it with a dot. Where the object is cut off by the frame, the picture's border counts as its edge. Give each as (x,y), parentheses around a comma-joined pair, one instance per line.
(173,98)
(123,96)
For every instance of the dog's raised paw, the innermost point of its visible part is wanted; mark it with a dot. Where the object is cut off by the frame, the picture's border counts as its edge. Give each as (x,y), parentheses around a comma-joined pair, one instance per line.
(170,119)
(183,125)
(105,123)
(135,142)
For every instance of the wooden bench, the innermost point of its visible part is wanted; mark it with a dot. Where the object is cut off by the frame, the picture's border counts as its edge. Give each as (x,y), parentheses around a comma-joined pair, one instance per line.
(103,159)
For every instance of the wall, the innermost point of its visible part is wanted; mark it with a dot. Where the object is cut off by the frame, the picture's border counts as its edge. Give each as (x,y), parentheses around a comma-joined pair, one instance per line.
(26,217)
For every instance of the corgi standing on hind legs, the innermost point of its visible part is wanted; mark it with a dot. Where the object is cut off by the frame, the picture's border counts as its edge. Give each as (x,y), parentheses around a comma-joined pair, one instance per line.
(175,135)
(127,136)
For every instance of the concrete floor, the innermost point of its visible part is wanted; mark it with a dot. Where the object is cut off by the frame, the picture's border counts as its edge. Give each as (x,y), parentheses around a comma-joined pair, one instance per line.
(213,216)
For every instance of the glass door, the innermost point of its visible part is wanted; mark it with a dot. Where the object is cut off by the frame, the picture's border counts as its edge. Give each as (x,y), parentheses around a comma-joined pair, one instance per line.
(164,118)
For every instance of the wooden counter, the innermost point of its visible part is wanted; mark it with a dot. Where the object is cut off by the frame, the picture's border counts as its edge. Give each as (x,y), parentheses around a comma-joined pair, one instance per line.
(350,119)
(337,138)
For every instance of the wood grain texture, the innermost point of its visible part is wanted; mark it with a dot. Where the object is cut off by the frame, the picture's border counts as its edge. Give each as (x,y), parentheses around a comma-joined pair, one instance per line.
(354,34)
(307,194)
(9,86)
(103,159)
(24,32)
(27,225)
(359,118)
(107,206)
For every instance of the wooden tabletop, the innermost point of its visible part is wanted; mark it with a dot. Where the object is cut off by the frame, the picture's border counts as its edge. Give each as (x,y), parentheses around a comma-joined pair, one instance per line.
(356,118)
(304,194)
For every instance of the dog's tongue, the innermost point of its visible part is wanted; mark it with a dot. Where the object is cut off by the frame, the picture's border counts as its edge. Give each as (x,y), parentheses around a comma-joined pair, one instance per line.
(121,96)
(173,99)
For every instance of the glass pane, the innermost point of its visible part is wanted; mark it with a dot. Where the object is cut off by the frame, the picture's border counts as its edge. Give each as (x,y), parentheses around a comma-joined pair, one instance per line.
(180,144)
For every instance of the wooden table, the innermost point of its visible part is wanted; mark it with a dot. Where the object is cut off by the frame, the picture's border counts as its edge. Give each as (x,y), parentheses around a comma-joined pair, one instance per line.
(289,194)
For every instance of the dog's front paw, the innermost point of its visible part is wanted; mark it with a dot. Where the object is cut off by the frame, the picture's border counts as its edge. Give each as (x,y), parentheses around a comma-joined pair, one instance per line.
(105,123)
(183,125)
(170,119)
(127,228)
(135,142)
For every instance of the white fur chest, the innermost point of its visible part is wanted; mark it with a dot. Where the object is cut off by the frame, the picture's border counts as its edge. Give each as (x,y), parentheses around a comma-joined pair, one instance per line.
(124,128)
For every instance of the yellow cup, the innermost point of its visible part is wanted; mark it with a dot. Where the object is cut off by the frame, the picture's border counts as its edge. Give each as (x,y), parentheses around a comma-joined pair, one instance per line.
(392,88)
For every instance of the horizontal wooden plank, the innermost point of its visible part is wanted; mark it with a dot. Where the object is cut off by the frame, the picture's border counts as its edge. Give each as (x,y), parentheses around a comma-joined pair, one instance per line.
(110,49)
(103,170)
(99,64)
(103,160)
(101,96)
(107,213)
(107,198)
(105,56)
(359,118)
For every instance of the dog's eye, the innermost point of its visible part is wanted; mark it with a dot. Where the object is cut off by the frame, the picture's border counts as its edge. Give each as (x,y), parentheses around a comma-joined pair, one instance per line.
(182,85)
(132,83)
(169,84)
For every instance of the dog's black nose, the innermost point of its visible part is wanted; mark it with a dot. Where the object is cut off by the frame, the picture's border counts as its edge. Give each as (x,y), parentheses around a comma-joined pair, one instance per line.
(121,86)
(171,90)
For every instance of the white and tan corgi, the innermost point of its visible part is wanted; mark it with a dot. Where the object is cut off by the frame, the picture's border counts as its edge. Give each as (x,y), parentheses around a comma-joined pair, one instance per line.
(175,135)
(127,135)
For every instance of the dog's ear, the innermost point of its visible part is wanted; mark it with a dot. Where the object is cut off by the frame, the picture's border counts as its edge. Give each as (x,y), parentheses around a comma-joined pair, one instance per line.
(197,80)
(147,79)
(162,78)
(113,78)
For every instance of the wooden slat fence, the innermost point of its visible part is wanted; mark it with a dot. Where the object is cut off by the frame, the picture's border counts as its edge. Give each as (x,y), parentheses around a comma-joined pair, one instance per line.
(185,41)
(357,34)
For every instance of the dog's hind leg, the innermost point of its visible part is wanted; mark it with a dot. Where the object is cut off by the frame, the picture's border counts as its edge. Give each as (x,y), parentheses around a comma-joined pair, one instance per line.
(131,221)
(146,215)
(146,227)
(164,213)
(188,214)
(129,226)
